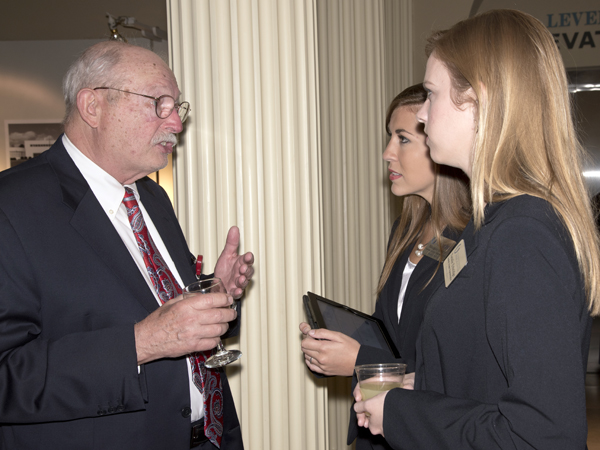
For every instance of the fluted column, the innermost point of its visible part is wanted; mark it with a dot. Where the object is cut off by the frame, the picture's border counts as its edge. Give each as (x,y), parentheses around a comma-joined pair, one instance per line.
(364,62)
(250,156)
(284,140)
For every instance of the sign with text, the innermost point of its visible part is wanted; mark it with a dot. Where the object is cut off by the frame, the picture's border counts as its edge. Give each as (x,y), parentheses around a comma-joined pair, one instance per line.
(577,34)
(575,26)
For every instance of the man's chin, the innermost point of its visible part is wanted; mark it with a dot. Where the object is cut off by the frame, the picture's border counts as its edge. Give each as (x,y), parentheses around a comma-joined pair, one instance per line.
(160,164)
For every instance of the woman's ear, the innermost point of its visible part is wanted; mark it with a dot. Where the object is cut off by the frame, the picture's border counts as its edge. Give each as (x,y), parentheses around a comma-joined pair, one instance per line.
(89,107)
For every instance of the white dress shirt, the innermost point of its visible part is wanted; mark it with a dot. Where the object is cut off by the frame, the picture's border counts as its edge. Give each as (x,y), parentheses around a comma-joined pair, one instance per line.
(109,193)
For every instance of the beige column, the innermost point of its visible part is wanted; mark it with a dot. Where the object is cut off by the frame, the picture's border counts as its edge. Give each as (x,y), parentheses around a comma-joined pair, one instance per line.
(250,156)
(364,62)
(284,140)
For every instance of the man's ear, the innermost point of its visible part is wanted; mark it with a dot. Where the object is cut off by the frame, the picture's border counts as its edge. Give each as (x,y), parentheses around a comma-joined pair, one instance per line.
(89,107)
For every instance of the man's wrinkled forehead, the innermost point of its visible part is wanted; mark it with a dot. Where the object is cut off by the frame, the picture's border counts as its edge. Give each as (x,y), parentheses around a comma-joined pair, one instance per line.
(141,66)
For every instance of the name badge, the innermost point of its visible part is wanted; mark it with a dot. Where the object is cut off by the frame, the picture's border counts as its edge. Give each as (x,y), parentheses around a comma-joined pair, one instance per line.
(432,249)
(455,262)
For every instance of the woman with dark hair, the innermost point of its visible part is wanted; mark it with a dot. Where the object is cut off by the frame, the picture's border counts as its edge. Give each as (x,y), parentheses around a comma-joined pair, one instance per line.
(502,352)
(436,204)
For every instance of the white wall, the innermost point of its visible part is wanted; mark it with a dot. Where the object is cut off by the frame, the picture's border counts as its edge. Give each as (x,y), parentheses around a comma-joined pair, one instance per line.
(31,76)
(574,24)
(30,82)
(432,15)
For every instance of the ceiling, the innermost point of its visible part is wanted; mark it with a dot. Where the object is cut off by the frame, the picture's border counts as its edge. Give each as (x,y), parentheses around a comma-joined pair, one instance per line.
(24,20)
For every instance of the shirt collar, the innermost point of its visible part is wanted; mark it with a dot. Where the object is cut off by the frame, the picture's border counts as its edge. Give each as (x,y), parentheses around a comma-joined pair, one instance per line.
(105,187)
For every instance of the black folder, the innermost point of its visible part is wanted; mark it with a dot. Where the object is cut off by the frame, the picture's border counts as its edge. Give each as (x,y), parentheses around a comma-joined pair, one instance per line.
(324,313)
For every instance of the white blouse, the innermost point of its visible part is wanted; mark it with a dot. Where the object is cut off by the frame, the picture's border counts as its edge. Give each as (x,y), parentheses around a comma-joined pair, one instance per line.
(408,270)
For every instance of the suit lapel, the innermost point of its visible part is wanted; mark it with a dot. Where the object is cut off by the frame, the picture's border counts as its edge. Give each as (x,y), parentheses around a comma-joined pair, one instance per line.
(471,238)
(419,277)
(91,222)
(395,283)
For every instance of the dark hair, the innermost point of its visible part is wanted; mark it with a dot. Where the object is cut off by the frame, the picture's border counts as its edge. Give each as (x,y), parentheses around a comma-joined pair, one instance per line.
(411,96)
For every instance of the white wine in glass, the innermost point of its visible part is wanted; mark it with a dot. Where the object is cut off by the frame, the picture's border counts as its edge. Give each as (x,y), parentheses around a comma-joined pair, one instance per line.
(371,389)
(374,379)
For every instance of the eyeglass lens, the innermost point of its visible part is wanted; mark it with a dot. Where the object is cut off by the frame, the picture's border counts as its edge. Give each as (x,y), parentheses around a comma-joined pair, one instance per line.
(166,104)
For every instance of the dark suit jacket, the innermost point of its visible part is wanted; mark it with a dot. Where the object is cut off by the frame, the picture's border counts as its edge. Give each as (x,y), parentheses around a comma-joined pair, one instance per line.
(70,294)
(404,333)
(502,352)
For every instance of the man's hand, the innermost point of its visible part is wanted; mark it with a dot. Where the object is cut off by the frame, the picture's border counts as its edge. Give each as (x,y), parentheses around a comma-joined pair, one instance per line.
(329,352)
(235,271)
(183,326)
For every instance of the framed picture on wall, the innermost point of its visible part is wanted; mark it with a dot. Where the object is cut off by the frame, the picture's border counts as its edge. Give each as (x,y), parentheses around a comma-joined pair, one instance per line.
(28,138)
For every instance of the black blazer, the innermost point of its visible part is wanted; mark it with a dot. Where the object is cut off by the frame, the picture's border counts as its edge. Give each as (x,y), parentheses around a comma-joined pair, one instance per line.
(404,333)
(502,352)
(70,294)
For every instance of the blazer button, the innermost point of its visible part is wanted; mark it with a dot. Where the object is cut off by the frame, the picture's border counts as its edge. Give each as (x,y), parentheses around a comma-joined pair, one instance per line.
(186,412)
(101,412)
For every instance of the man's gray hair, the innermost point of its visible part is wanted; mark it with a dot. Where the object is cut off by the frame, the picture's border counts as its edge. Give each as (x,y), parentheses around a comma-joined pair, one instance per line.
(94,68)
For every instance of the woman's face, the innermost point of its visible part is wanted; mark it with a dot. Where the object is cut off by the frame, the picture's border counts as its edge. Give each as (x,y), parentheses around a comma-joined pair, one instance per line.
(411,168)
(450,130)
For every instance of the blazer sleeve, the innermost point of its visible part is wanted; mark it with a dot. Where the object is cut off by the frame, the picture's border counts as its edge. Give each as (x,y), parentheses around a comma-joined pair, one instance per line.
(47,379)
(536,321)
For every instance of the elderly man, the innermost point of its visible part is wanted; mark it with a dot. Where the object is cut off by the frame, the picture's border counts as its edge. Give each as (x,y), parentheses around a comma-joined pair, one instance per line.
(89,249)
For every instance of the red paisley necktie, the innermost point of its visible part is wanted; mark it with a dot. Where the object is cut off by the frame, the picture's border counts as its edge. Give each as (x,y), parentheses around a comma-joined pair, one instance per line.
(166,286)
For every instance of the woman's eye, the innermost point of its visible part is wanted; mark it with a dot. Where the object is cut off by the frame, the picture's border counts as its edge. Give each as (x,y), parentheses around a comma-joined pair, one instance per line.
(403,140)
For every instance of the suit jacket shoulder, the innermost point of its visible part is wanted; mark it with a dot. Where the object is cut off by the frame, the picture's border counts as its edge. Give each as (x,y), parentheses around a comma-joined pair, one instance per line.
(71,295)
(516,311)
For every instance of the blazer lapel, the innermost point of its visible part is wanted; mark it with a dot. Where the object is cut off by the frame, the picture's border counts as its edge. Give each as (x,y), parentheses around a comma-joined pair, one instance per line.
(471,239)
(91,222)
(419,277)
(393,291)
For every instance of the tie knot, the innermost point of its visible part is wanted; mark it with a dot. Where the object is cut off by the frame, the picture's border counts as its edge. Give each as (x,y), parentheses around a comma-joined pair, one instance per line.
(129,199)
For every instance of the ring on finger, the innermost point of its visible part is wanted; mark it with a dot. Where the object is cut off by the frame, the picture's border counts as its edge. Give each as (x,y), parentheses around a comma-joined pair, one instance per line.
(310,360)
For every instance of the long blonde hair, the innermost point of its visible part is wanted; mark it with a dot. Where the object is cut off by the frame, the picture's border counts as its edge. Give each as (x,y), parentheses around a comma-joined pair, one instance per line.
(526,141)
(451,206)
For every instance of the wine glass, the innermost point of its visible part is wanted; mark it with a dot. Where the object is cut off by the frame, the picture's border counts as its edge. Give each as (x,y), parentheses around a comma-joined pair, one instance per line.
(222,357)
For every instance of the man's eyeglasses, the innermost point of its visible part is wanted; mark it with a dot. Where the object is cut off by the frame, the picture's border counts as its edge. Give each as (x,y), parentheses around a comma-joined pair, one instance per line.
(165,104)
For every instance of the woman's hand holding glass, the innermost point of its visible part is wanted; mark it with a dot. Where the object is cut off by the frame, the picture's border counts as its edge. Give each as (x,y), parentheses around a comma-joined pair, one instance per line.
(369,413)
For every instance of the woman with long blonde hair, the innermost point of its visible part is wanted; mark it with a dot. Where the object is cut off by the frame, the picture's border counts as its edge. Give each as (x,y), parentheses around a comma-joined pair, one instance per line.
(436,205)
(503,350)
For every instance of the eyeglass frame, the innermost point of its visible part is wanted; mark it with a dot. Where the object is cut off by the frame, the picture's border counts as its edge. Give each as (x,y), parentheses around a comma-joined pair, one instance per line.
(176,105)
